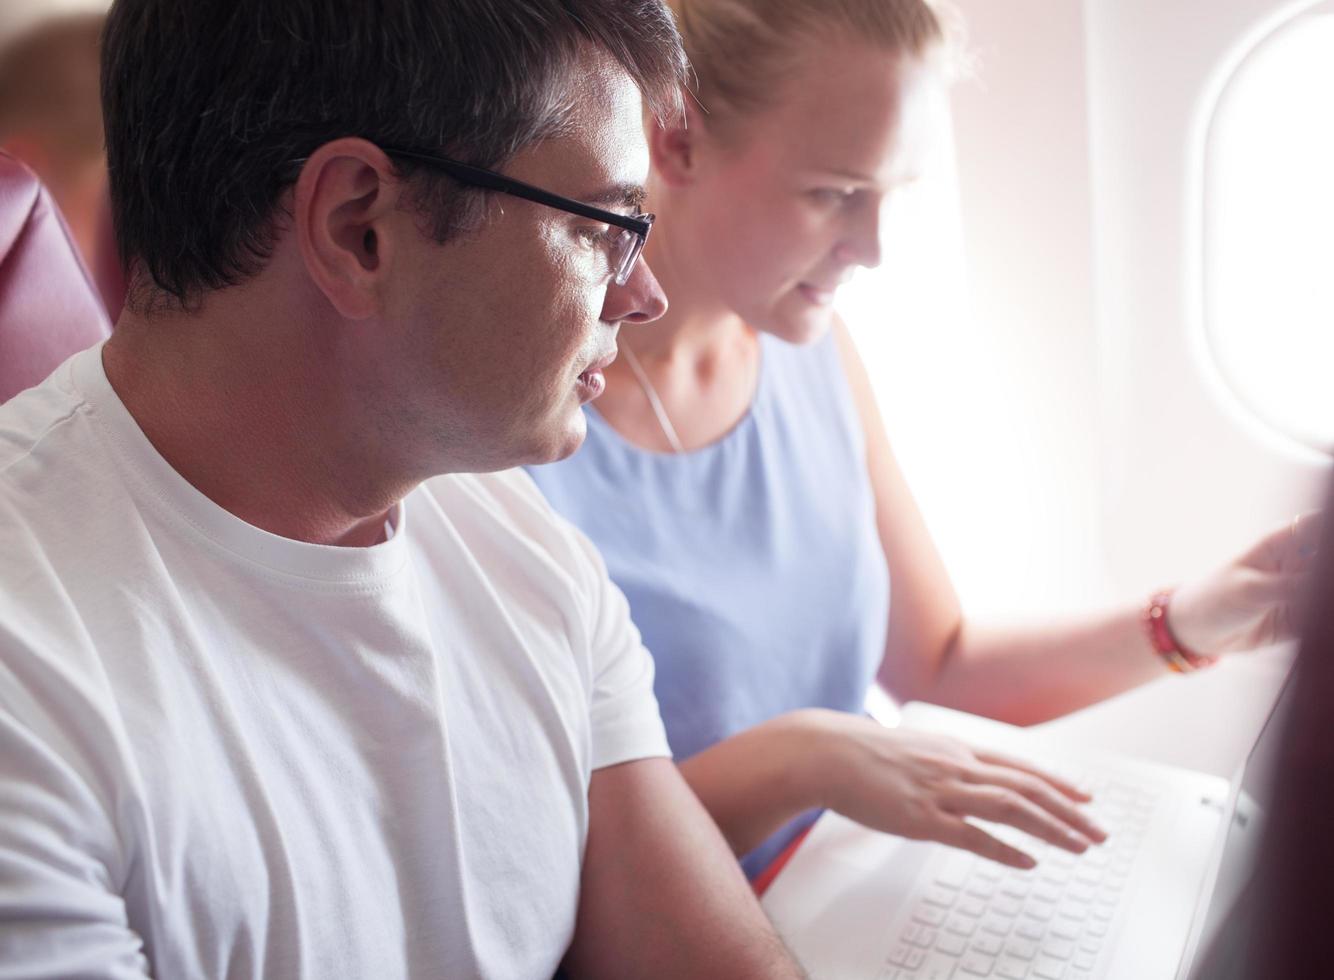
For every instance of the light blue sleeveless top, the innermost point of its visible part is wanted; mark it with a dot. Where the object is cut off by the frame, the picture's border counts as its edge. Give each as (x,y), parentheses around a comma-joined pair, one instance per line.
(752,566)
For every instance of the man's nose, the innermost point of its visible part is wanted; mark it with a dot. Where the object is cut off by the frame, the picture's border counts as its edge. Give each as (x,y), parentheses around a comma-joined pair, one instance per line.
(640,300)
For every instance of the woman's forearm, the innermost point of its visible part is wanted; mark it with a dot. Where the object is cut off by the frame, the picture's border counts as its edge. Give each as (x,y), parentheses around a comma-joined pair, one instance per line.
(1030,673)
(757,780)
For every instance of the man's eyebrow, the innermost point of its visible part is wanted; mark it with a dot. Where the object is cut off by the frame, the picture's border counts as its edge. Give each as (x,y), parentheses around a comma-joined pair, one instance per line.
(630,196)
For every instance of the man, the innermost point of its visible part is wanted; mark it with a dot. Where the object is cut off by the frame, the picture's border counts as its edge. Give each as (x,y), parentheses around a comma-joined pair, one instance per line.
(294,683)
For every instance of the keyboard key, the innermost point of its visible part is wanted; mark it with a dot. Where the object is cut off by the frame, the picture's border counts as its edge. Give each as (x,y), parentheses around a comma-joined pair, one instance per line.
(952,945)
(976,965)
(907,956)
(961,926)
(1058,949)
(1084,961)
(1029,929)
(988,945)
(936,968)
(954,872)
(938,895)
(972,906)
(988,871)
(929,915)
(1043,913)
(1056,876)
(1065,929)
(1046,893)
(918,935)
(1049,969)
(1021,949)
(997,925)
(1081,893)
(982,889)
(1009,969)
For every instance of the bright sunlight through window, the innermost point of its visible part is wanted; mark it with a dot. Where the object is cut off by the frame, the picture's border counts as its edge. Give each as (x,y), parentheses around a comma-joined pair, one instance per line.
(1269,231)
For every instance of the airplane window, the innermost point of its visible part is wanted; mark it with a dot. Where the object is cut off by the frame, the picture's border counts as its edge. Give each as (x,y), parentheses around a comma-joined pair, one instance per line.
(1269,231)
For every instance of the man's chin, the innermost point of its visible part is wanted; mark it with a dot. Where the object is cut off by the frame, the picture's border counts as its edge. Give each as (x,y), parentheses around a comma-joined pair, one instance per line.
(563,444)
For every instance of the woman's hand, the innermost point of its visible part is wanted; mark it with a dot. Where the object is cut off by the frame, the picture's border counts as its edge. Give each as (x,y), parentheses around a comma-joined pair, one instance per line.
(923,786)
(1253,601)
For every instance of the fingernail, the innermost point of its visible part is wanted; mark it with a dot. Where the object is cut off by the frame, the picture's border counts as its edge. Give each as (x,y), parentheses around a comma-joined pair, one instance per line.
(1079,842)
(1028,862)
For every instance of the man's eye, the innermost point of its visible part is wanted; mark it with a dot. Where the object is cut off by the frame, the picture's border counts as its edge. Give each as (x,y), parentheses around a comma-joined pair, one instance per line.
(595,234)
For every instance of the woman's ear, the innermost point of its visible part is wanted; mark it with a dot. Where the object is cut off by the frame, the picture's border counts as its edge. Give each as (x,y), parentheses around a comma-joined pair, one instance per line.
(674,148)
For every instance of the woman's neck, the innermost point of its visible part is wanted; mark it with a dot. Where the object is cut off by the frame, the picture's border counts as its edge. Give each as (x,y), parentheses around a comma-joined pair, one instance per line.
(697,327)
(700,361)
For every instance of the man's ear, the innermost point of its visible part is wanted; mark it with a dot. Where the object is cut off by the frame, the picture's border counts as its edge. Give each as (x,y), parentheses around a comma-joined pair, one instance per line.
(344,197)
(674,148)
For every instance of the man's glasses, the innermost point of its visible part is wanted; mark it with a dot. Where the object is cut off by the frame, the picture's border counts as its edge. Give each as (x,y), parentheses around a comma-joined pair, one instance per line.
(624,242)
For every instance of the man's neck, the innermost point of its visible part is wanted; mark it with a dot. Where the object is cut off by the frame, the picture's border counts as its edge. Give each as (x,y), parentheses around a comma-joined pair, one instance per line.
(257,435)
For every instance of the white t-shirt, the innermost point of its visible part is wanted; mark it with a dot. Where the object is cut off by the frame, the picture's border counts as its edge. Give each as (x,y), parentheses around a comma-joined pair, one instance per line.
(225,753)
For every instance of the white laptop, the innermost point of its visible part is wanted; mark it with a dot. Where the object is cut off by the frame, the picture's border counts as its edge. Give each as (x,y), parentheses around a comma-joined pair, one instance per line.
(853,904)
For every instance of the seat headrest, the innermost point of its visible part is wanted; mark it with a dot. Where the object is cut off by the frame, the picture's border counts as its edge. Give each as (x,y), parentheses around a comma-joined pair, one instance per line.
(49,307)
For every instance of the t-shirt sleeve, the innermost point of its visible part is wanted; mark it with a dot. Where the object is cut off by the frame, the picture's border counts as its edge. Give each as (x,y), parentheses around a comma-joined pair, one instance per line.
(60,913)
(626,723)
(617,671)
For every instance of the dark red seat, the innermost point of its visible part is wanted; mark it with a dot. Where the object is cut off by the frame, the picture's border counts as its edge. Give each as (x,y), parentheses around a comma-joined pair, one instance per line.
(49,306)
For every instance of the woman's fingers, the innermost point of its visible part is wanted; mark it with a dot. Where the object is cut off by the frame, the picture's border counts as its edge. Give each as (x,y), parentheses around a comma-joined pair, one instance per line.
(1000,805)
(1000,759)
(957,832)
(1039,792)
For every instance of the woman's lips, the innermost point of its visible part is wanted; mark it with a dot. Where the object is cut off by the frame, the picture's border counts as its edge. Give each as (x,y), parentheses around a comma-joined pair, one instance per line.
(815,295)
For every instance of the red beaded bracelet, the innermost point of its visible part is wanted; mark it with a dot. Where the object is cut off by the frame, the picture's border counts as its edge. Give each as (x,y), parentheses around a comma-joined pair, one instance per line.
(1178,658)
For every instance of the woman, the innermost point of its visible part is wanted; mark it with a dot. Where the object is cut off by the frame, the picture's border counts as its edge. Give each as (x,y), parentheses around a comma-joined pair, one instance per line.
(739,482)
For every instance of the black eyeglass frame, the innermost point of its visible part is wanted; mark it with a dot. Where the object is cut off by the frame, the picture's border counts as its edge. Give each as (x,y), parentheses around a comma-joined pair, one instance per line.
(639,224)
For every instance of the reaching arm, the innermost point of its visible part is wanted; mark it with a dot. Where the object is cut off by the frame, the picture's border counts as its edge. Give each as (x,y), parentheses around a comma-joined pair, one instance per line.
(661,895)
(902,782)
(1029,674)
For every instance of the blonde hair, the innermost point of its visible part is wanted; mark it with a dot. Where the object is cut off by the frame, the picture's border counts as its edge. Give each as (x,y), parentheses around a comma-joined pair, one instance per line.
(742,50)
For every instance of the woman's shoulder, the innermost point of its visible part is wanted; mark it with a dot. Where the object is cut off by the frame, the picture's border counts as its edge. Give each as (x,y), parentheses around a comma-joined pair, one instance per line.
(807,382)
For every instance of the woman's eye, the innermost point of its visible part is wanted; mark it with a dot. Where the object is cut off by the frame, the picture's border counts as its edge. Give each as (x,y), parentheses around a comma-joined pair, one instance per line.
(833,195)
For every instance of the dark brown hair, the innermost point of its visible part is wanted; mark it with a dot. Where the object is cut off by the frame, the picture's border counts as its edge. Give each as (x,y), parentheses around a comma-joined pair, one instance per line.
(208,102)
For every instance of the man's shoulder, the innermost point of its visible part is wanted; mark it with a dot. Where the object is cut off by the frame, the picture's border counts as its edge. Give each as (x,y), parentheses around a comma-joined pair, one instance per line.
(507,500)
(58,481)
(504,515)
(38,416)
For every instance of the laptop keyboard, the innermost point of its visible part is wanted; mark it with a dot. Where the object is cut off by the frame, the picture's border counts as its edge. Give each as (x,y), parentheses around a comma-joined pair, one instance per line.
(973,918)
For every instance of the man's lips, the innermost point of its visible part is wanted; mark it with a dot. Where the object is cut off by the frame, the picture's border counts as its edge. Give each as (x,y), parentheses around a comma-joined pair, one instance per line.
(591,380)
